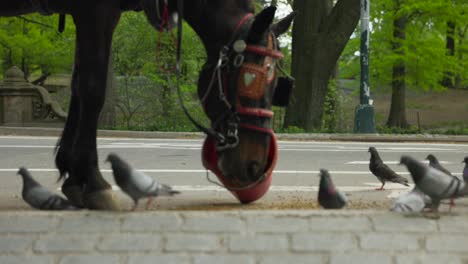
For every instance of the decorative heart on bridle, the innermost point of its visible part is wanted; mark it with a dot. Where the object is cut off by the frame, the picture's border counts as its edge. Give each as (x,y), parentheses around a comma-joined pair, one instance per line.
(249,78)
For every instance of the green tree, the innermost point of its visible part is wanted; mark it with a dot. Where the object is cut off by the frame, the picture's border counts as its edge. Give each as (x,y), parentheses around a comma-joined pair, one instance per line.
(33,43)
(320,33)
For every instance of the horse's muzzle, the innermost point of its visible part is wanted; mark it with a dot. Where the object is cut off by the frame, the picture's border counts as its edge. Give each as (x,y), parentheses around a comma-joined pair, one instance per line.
(251,192)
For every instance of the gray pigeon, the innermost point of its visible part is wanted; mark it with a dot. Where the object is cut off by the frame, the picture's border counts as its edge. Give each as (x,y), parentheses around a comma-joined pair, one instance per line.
(465,170)
(434,163)
(413,201)
(136,184)
(382,171)
(37,196)
(328,196)
(433,182)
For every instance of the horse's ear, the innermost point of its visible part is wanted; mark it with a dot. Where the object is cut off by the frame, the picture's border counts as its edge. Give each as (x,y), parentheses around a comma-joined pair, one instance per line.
(283,25)
(261,24)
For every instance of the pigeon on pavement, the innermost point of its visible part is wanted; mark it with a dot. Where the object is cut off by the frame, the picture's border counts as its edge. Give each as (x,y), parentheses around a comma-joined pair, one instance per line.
(465,170)
(413,201)
(39,197)
(136,184)
(328,196)
(433,182)
(382,171)
(434,163)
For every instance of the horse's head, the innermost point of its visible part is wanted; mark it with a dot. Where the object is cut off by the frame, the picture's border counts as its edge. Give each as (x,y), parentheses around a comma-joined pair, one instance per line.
(237,91)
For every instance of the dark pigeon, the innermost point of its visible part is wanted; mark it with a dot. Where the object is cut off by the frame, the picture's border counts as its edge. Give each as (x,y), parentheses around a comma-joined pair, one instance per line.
(328,196)
(434,163)
(433,182)
(37,196)
(465,170)
(382,171)
(413,201)
(136,184)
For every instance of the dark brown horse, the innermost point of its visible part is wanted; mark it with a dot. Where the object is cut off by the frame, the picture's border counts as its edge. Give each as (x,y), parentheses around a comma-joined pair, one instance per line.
(240,138)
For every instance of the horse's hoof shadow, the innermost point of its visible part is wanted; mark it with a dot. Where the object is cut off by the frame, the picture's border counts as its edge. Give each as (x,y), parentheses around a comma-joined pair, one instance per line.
(74,194)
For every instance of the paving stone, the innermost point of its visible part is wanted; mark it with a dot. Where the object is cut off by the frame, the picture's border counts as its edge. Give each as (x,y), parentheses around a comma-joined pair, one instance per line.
(424,258)
(389,241)
(360,258)
(400,223)
(89,223)
(85,259)
(224,259)
(276,224)
(213,223)
(11,259)
(323,242)
(159,258)
(130,242)
(15,244)
(290,258)
(65,243)
(192,242)
(258,243)
(143,222)
(447,243)
(455,224)
(340,224)
(23,223)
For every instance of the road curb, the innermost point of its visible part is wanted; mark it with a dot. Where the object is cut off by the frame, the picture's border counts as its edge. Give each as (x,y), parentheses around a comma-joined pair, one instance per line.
(56,132)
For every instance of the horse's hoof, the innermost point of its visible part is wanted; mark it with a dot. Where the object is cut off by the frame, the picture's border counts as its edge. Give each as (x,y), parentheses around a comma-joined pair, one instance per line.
(105,200)
(74,194)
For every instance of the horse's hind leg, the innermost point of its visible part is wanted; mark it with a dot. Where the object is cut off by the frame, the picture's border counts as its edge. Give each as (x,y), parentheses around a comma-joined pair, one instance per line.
(94,27)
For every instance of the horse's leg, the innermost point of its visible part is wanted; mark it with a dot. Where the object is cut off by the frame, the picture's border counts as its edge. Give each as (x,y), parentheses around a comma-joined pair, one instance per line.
(73,185)
(95,25)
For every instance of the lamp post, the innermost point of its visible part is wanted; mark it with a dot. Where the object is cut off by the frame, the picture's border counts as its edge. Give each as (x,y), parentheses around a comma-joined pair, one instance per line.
(364,121)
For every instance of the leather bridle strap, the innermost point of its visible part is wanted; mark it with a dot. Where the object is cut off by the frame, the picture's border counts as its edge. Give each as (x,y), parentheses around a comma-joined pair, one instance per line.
(209,131)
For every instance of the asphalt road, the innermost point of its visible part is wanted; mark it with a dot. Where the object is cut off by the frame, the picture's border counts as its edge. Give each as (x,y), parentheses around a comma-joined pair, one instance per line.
(177,162)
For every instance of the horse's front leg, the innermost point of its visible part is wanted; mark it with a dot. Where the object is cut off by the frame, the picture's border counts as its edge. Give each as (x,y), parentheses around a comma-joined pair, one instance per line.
(74,184)
(94,28)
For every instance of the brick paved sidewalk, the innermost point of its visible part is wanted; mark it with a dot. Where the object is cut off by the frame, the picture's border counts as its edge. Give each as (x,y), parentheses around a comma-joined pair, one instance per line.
(291,237)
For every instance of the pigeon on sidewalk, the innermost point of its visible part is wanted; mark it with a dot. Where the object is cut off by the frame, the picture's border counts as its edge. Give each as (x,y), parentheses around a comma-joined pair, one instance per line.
(382,171)
(136,184)
(434,163)
(39,197)
(433,182)
(413,201)
(465,170)
(328,196)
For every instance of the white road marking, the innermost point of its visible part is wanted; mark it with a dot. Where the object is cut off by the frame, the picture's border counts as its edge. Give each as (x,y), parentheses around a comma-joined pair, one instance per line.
(197,147)
(204,171)
(394,162)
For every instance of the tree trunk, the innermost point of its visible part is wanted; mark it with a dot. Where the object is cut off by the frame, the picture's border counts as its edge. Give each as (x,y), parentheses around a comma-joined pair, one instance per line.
(320,34)
(397,117)
(447,81)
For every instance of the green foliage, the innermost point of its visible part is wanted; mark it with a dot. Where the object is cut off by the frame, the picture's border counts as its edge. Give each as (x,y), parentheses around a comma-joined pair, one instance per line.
(291,129)
(33,43)
(144,60)
(397,130)
(424,49)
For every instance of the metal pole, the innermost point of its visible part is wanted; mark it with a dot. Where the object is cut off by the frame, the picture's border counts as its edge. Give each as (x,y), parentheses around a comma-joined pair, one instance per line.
(364,115)
(364,87)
